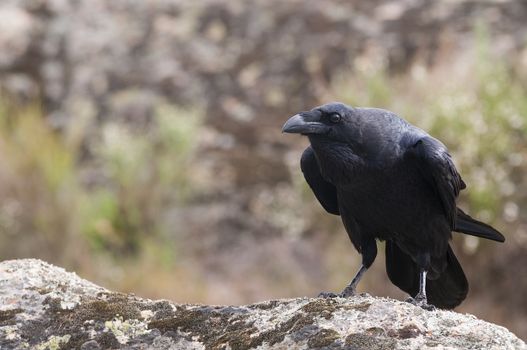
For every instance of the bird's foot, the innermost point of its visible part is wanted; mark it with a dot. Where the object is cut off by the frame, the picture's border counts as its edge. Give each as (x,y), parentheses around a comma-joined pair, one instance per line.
(327,295)
(349,291)
(346,293)
(421,302)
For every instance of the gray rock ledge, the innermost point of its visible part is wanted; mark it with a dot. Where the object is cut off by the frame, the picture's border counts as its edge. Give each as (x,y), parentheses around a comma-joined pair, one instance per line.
(45,307)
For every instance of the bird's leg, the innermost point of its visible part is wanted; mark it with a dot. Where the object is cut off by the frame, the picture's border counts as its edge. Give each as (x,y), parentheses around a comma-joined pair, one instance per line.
(351,288)
(420,298)
(369,252)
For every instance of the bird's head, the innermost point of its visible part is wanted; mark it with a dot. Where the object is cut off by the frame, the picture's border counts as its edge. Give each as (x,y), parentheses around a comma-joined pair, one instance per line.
(334,122)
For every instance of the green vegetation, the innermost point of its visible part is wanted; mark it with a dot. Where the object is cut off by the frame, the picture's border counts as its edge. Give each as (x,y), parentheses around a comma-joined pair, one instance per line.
(145,175)
(37,182)
(47,207)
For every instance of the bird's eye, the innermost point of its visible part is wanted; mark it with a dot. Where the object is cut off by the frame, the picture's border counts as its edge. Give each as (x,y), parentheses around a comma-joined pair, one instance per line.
(335,118)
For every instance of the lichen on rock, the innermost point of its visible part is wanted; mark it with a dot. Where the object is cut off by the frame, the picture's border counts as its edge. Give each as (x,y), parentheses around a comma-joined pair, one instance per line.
(45,307)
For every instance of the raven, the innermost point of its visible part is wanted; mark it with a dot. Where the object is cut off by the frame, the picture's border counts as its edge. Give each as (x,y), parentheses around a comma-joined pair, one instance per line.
(391,181)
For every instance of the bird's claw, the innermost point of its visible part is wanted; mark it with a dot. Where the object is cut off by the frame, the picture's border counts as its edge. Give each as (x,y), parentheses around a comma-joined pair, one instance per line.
(421,302)
(327,295)
(346,293)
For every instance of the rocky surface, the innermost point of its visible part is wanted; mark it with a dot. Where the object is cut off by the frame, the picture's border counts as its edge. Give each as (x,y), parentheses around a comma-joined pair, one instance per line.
(45,307)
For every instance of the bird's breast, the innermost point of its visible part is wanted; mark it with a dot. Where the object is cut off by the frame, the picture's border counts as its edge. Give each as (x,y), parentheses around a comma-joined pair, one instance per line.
(390,201)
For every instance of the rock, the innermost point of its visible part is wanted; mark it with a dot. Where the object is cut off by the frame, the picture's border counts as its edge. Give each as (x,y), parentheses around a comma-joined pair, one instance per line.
(16,34)
(45,307)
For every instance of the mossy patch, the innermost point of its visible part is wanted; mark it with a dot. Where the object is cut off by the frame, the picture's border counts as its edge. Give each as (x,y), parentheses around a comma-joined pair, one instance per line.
(218,327)
(322,307)
(324,338)
(106,341)
(7,317)
(124,330)
(54,343)
(370,342)
(271,304)
(326,306)
(94,318)
(360,307)
(406,332)
(214,327)
(104,310)
(375,331)
(90,314)
(291,326)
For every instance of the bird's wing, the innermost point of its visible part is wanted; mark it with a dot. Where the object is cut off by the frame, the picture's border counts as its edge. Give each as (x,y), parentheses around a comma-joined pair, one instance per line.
(325,192)
(436,166)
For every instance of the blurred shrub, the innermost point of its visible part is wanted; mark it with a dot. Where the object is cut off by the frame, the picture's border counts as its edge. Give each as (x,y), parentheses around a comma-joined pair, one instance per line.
(37,185)
(146,173)
(47,207)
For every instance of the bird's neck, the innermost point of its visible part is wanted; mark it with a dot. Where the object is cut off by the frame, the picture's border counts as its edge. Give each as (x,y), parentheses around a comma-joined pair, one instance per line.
(338,163)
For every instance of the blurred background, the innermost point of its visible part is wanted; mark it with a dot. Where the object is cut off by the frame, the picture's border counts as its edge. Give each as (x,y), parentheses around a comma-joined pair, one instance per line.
(141,145)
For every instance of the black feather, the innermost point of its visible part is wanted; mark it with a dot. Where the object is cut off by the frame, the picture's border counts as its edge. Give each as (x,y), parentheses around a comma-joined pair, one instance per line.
(470,226)
(325,192)
(446,291)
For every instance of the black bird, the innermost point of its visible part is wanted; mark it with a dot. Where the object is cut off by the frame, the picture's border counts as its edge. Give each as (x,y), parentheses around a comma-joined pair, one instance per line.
(391,181)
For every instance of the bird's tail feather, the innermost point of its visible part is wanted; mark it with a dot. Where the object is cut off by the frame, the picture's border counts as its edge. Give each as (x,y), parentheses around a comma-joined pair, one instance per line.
(446,291)
(470,226)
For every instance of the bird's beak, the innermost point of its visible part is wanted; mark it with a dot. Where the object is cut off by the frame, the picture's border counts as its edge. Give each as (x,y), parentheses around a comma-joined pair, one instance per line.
(301,124)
